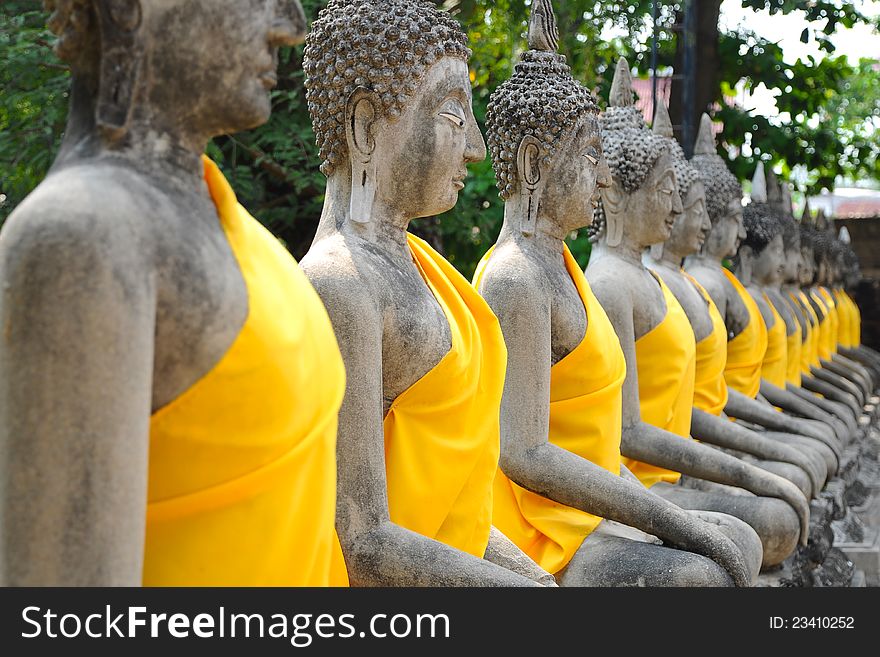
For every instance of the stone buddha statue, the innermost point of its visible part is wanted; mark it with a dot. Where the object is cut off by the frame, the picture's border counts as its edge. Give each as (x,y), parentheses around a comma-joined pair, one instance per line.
(746,333)
(708,423)
(169,380)
(638,209)
(561,493)
(760,266)
(389,93)
(852,346)
(841,379)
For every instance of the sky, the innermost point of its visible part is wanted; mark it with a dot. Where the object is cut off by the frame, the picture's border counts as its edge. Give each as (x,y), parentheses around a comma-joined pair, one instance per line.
(861,41)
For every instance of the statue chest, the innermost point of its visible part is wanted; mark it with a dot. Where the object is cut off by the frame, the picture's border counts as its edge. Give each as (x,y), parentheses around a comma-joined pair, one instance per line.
(416,333)
(568,318)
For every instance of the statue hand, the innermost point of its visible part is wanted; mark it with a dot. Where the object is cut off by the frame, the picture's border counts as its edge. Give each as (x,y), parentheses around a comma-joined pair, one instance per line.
(713,543)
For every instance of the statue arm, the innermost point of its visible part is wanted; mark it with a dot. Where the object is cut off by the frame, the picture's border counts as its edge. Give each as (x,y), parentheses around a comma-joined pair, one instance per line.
(533,462)
(377,551)
(720,431)
(76,363)
(650,444)
(793,403)
(713,285)
(504,552)
(762,413)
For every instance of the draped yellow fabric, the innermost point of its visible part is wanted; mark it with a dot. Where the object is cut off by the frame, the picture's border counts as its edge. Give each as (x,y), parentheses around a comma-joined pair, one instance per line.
(442,435)
(774,367)
(807,343)
(793,348)
(242,466)
(825,332)
(710,388)
(585,419)
(856,324)
(833,317)
(666,359)
(745,352)
(843,317)
(815,331)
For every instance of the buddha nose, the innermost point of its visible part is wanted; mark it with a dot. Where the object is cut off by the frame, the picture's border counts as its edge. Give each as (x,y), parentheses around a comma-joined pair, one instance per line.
(475,149)
(289,26)
(677,205)
(603,177)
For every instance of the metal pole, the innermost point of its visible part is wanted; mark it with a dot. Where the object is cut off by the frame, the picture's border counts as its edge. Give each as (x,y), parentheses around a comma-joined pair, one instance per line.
(654,59)
(690,67)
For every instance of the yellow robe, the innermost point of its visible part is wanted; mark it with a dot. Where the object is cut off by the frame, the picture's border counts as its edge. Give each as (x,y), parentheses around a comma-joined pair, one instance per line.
(832,315)
(825,326)
(856,323)
(710,388)
(793,349)
(815,333)
(808,343)
(242,466)
(745,352)
(585,419)
(844,317)
(442,435)
(774,366)
(666,359)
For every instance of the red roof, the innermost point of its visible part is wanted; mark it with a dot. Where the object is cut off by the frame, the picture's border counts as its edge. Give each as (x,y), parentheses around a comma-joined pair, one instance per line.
(857,208)
(645,102)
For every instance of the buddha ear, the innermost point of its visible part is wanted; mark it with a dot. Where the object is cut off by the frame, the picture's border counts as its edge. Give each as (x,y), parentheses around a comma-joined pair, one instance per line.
(122,53)
(360,124)
(614,200)
(528,164)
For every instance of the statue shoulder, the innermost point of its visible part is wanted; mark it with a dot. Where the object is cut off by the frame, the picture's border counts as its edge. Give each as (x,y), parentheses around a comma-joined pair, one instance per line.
(514,281)
(76,218)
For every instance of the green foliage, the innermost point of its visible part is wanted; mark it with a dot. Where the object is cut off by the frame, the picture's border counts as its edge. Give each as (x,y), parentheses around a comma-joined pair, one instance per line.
(275,169)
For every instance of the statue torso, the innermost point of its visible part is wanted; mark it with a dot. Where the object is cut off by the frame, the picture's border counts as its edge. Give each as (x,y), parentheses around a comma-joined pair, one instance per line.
(415,331)
(783,308)
(695,307)
(646,296)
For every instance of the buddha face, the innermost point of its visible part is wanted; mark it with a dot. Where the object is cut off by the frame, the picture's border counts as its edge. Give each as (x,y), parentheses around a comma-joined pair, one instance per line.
(769,264)
(728,232)
(807,270)
(212,63)
(792,262)
(576,174)
(421,157)
(692,226)
(648,214)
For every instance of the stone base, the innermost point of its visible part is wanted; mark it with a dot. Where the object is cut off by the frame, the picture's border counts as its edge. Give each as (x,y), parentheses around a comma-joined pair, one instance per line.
(865,556)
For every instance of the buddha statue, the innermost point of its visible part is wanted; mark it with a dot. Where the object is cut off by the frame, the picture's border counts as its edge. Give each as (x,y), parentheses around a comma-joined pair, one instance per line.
(842,380)
(760,267)
(851,345)
(746,333)
(169,380)
(636,210)
(389,93)
(709,423)
(561,493)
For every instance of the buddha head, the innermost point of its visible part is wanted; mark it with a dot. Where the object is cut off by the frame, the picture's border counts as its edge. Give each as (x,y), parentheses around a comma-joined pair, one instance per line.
(183,69)
(640,205)
(807,272)
(763,247)
(852,274)
(692,225)
(389,93)
(723,195)
(791,245)
(821,256)
(543,132)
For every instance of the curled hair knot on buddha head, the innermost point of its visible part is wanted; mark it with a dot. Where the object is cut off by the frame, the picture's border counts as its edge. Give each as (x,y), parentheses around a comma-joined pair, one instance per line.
(383,46)
(721,185)
(541,100)
(630,148)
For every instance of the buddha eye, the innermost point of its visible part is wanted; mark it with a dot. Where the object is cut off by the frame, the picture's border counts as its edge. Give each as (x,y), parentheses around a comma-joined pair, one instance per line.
(593,160)
(453,111)
(663,190)
(457,120)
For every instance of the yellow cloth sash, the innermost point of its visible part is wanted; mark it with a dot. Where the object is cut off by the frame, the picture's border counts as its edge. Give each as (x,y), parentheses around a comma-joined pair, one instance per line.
(833,316)
(442,435)
(745,352)
(844,315)
(666,358)
(585,419)
(242,469)
(774,366)
(856,323)
(793,349)
(710,388)
(805,351)
(815,331)
(825,335)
